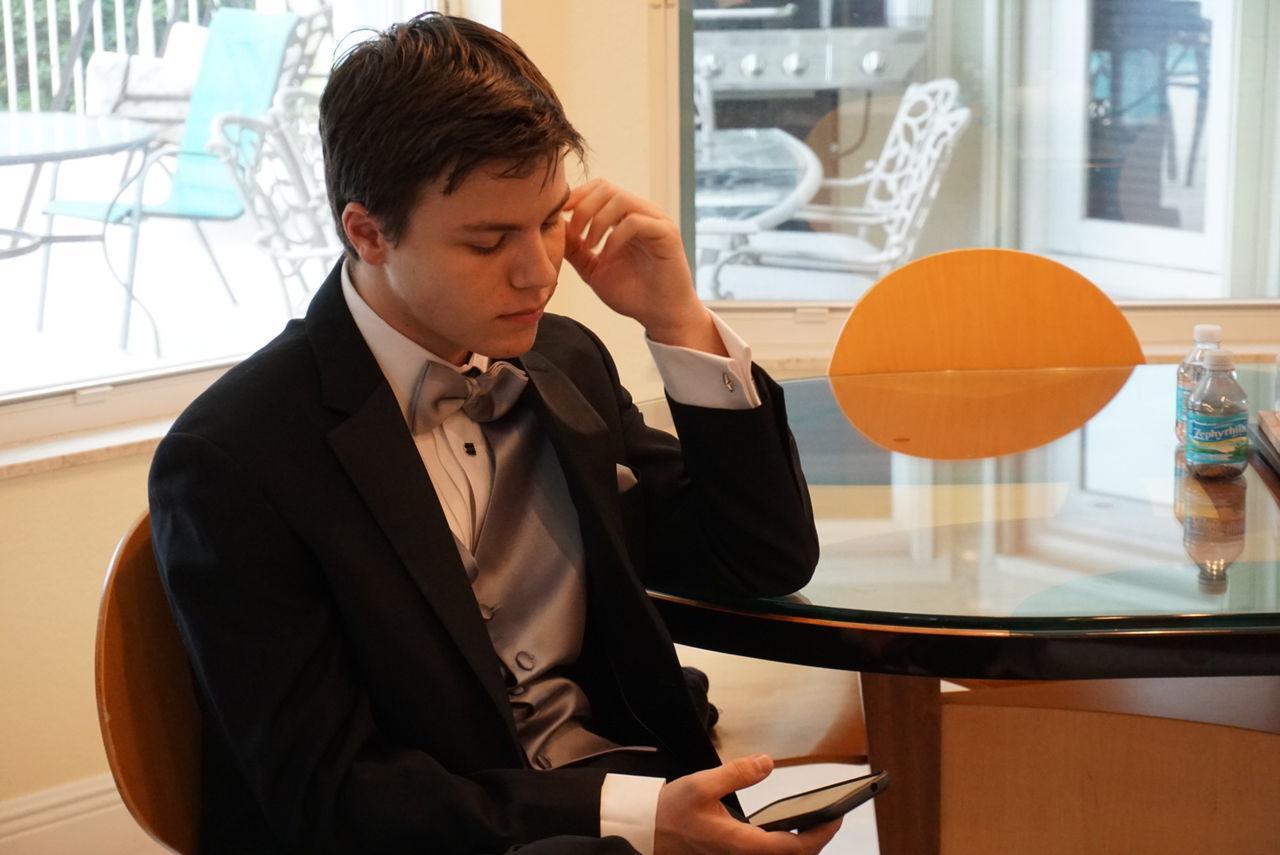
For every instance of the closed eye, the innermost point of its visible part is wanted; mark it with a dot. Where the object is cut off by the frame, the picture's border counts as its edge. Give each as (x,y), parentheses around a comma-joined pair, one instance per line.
(487,250)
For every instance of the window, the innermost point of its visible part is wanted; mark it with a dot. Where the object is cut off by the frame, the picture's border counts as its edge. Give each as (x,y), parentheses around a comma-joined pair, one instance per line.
(1132,140)
(83,325)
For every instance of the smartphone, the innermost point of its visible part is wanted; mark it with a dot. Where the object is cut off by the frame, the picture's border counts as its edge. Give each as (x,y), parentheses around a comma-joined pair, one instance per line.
(805,810)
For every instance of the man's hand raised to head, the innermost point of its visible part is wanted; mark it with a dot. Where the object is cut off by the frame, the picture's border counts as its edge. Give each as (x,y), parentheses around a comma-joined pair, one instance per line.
(692,821)
(641,270)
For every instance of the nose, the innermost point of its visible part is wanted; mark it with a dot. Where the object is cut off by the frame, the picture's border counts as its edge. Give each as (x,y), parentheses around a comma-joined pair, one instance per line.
(538,264)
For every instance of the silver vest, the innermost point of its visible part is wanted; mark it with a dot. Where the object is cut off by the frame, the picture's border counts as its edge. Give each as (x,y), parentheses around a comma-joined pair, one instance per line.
(529,580)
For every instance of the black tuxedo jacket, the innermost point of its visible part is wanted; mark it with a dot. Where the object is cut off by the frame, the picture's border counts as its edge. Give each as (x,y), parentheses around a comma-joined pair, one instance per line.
(352,699)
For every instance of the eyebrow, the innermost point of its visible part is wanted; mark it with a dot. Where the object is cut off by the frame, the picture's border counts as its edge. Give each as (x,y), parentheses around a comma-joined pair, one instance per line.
(513,227)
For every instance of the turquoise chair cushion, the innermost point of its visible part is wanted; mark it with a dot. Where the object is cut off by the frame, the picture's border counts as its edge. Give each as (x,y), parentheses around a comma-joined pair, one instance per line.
(238,73)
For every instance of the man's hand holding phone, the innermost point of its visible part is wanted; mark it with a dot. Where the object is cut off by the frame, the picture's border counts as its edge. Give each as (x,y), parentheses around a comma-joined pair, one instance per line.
(691,819)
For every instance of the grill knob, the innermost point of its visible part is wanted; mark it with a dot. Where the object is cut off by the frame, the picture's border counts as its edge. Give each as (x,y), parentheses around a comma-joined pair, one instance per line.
(752,65)
(794,64)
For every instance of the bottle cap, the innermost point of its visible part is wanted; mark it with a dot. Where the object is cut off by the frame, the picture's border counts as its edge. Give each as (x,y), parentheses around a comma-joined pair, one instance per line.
(1212,584)
(1219,360)
(1207,333)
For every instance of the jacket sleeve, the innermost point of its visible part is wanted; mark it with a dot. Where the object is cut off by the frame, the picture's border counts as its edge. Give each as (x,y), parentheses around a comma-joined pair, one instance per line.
(725,507)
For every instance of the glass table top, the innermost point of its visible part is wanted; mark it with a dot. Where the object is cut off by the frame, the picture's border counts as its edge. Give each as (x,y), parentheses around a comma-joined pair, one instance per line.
(740,173)
(1037,501)
(34,137)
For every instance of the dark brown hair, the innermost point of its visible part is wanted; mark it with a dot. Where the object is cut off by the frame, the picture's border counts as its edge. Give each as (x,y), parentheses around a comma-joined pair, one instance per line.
(434,97)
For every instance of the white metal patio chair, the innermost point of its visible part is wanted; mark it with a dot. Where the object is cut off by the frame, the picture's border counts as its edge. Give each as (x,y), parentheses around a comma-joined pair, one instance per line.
(275,162)
(898,189)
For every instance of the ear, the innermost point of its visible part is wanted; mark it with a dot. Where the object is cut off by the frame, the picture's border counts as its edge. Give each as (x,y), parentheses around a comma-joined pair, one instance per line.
(365,234)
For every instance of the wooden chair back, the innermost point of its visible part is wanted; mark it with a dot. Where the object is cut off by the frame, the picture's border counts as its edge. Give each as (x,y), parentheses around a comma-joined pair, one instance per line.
(918,366)
(983,308)
(146,701)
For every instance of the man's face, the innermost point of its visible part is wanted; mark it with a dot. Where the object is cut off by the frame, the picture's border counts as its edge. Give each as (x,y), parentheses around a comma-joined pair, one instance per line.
(474,269)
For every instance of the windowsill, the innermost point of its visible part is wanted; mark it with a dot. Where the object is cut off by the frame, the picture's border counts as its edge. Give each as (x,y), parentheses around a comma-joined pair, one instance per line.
(87,425)
(96,446)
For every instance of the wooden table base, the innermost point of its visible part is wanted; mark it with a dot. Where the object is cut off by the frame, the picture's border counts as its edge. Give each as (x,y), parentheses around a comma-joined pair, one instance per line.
(904,736)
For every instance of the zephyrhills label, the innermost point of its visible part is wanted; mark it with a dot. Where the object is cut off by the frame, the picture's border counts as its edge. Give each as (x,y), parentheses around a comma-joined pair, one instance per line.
(1217,439)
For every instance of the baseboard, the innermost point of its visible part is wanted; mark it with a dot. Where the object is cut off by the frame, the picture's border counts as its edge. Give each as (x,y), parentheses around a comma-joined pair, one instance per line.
(82,816)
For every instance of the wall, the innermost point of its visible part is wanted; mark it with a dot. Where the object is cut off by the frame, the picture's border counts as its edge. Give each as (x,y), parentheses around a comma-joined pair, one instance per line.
(57,532)
(604,84)
(58,529)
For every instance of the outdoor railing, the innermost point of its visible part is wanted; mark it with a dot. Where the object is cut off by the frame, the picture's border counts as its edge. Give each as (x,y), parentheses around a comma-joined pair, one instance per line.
(40,43)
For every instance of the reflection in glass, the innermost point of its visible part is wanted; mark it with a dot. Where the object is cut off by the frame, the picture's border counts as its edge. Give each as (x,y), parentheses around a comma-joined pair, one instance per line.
(1149,94)
(968,415)
(1093,525)
(1213,514)
(831,77)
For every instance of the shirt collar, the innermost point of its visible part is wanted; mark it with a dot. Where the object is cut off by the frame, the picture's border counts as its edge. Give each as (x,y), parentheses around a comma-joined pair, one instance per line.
(400,358)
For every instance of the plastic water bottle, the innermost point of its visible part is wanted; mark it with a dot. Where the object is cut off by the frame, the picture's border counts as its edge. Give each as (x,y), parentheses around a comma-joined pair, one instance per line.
(1218,420)
(1213,528)
(1207,337)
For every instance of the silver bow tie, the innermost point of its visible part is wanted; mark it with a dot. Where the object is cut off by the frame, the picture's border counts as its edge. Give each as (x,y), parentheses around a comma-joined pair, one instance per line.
(442,391)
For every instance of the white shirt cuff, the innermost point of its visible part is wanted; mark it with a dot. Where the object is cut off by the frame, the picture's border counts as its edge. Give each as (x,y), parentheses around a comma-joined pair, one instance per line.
(629,809)
(699,379)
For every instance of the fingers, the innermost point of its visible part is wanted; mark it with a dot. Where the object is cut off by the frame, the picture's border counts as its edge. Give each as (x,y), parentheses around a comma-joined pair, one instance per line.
(607,216)
(598,206)
(581,257)
(630,253)
(651,232)
(735,775)
(710,785)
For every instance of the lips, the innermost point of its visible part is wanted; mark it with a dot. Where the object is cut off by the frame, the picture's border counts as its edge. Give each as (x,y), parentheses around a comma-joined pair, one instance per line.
(526,316)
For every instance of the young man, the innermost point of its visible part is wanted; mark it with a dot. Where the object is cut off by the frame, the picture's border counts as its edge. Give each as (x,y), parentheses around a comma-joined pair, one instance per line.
(414,597)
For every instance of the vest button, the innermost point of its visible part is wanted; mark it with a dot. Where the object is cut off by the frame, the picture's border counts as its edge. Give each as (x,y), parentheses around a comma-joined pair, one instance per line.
(525,660)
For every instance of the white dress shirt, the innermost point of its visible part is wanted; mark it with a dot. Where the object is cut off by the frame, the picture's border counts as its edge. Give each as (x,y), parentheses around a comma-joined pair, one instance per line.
(463,481)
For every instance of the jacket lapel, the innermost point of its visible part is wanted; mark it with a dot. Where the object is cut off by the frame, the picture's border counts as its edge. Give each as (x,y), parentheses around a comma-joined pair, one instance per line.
(648,676)
(374,446)
(581,441)
(582,444)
